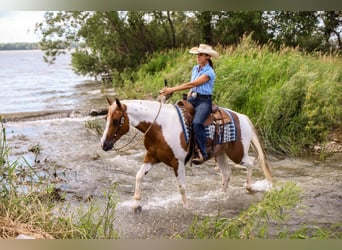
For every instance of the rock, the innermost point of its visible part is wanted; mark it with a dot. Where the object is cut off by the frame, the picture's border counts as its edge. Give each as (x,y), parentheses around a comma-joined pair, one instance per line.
(25,237)
(317,148)
(95,157)
(96,112)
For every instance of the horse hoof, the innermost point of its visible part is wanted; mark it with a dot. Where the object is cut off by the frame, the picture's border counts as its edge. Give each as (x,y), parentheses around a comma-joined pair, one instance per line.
(250,190)
(137,209)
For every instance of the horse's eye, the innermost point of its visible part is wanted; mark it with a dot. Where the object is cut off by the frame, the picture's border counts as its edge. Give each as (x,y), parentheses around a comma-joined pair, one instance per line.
(116,121)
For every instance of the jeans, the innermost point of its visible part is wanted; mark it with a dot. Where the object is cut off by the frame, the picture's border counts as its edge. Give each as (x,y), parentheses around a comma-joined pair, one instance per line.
(203,108)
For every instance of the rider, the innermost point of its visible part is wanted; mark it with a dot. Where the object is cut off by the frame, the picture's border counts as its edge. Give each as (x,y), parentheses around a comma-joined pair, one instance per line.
(200,95)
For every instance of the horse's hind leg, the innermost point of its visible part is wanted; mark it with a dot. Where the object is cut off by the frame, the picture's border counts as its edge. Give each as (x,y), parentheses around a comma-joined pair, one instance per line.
(138,180)
(222,162)
(249,164)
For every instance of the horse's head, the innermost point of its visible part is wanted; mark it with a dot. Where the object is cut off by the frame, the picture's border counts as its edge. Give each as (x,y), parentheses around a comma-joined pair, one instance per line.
(116,126)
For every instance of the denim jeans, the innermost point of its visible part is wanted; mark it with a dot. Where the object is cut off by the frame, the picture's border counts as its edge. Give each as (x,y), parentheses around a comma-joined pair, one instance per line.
(203,108)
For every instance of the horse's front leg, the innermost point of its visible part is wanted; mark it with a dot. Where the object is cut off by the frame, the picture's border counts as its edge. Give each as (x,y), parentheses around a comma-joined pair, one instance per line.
(180,174)
(138,180)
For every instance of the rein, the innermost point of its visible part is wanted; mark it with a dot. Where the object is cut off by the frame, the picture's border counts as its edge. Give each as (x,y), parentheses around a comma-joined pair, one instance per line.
(136,133)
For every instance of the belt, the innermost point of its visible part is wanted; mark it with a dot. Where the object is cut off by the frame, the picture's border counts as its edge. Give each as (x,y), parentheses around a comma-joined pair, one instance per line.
(197,95)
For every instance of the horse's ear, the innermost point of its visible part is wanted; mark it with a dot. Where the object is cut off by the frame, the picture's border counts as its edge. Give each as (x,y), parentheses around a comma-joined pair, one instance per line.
(109,101)
(118,103)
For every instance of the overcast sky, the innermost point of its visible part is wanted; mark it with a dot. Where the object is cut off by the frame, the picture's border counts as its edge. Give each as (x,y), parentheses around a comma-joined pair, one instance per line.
(18,26)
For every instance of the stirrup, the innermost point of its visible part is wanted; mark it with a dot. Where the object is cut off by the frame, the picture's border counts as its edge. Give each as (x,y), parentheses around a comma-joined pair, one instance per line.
(198,159)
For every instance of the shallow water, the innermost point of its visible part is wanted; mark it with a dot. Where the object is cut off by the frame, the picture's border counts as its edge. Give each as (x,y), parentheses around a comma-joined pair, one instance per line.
(88,171)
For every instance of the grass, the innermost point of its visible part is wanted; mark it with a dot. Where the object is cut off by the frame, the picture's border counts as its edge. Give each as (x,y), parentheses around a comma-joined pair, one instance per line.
(262,220)
(30,205)
(294,99)
(95,125)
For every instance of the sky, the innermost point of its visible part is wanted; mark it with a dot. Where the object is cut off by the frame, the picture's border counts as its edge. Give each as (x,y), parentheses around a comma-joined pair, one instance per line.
(18,26)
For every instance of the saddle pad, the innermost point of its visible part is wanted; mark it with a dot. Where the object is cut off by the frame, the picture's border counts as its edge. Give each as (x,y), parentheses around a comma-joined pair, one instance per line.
(227,132)
(186,128)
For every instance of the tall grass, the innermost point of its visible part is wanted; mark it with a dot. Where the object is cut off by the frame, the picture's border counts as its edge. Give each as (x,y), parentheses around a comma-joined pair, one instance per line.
(29,204)
(263,220)
(294,99)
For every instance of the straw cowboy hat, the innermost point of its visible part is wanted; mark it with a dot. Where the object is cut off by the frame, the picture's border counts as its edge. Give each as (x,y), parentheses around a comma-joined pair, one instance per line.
(205,49)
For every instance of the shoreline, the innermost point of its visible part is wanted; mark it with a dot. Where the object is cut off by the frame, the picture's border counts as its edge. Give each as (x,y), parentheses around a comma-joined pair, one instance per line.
(49,114)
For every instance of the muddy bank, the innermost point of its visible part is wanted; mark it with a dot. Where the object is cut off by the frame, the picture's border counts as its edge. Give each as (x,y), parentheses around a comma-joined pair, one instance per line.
(50,114)
(71,152)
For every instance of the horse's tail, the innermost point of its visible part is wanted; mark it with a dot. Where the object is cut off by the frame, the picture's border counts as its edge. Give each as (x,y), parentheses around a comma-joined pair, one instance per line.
(260,152)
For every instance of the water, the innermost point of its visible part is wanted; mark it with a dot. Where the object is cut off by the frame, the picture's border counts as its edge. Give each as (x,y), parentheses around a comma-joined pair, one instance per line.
(72,152)
(28,84)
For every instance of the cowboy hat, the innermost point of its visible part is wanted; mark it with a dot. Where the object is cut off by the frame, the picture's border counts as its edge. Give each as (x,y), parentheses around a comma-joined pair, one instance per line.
(205,49)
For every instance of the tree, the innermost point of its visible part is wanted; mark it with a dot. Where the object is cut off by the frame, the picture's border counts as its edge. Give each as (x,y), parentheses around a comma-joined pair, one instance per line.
(204,19)
(231,26)
(112,42)
(108,42)
(332,28)
(59,32)
(294,29)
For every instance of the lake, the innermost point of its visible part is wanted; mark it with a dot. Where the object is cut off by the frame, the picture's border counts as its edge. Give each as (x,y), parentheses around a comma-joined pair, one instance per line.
(28,84)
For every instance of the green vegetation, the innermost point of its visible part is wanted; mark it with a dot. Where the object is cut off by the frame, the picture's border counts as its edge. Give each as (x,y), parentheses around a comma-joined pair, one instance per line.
(95,125)
(116,42)
(293,98)
(259,219)
(29,205)
(18,46)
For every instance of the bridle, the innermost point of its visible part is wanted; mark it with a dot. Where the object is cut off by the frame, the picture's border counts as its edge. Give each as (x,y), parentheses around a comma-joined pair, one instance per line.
(121,121)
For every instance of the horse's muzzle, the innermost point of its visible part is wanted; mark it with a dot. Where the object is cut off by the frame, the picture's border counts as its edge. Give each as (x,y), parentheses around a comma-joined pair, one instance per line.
(107,146)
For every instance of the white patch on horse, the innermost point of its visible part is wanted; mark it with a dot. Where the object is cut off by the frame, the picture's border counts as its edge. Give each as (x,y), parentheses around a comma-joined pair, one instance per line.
(147,111)
(138,111)
(172,130)
(103,138)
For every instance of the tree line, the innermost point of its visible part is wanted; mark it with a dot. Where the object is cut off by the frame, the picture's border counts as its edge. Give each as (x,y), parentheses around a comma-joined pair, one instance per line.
(113,42)
(18,46)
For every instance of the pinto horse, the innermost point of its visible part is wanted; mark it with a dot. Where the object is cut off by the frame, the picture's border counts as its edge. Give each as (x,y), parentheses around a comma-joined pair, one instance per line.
(165,142)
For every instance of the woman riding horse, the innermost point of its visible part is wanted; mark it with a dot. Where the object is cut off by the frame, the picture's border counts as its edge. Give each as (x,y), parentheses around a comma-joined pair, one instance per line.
(201,88)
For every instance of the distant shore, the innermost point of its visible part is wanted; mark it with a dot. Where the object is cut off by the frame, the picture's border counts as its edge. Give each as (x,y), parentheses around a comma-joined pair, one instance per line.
(19,46)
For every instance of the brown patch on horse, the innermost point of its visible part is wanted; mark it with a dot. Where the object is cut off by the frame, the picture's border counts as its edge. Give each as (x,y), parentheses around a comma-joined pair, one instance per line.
(184,145)
(157,148)
(235,148)
(118,124)
(116,115)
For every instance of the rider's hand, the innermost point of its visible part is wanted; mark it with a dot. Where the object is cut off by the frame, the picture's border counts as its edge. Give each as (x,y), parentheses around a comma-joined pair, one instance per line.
(165,91)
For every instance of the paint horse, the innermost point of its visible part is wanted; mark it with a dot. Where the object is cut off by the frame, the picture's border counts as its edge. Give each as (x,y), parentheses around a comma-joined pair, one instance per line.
(165,141)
